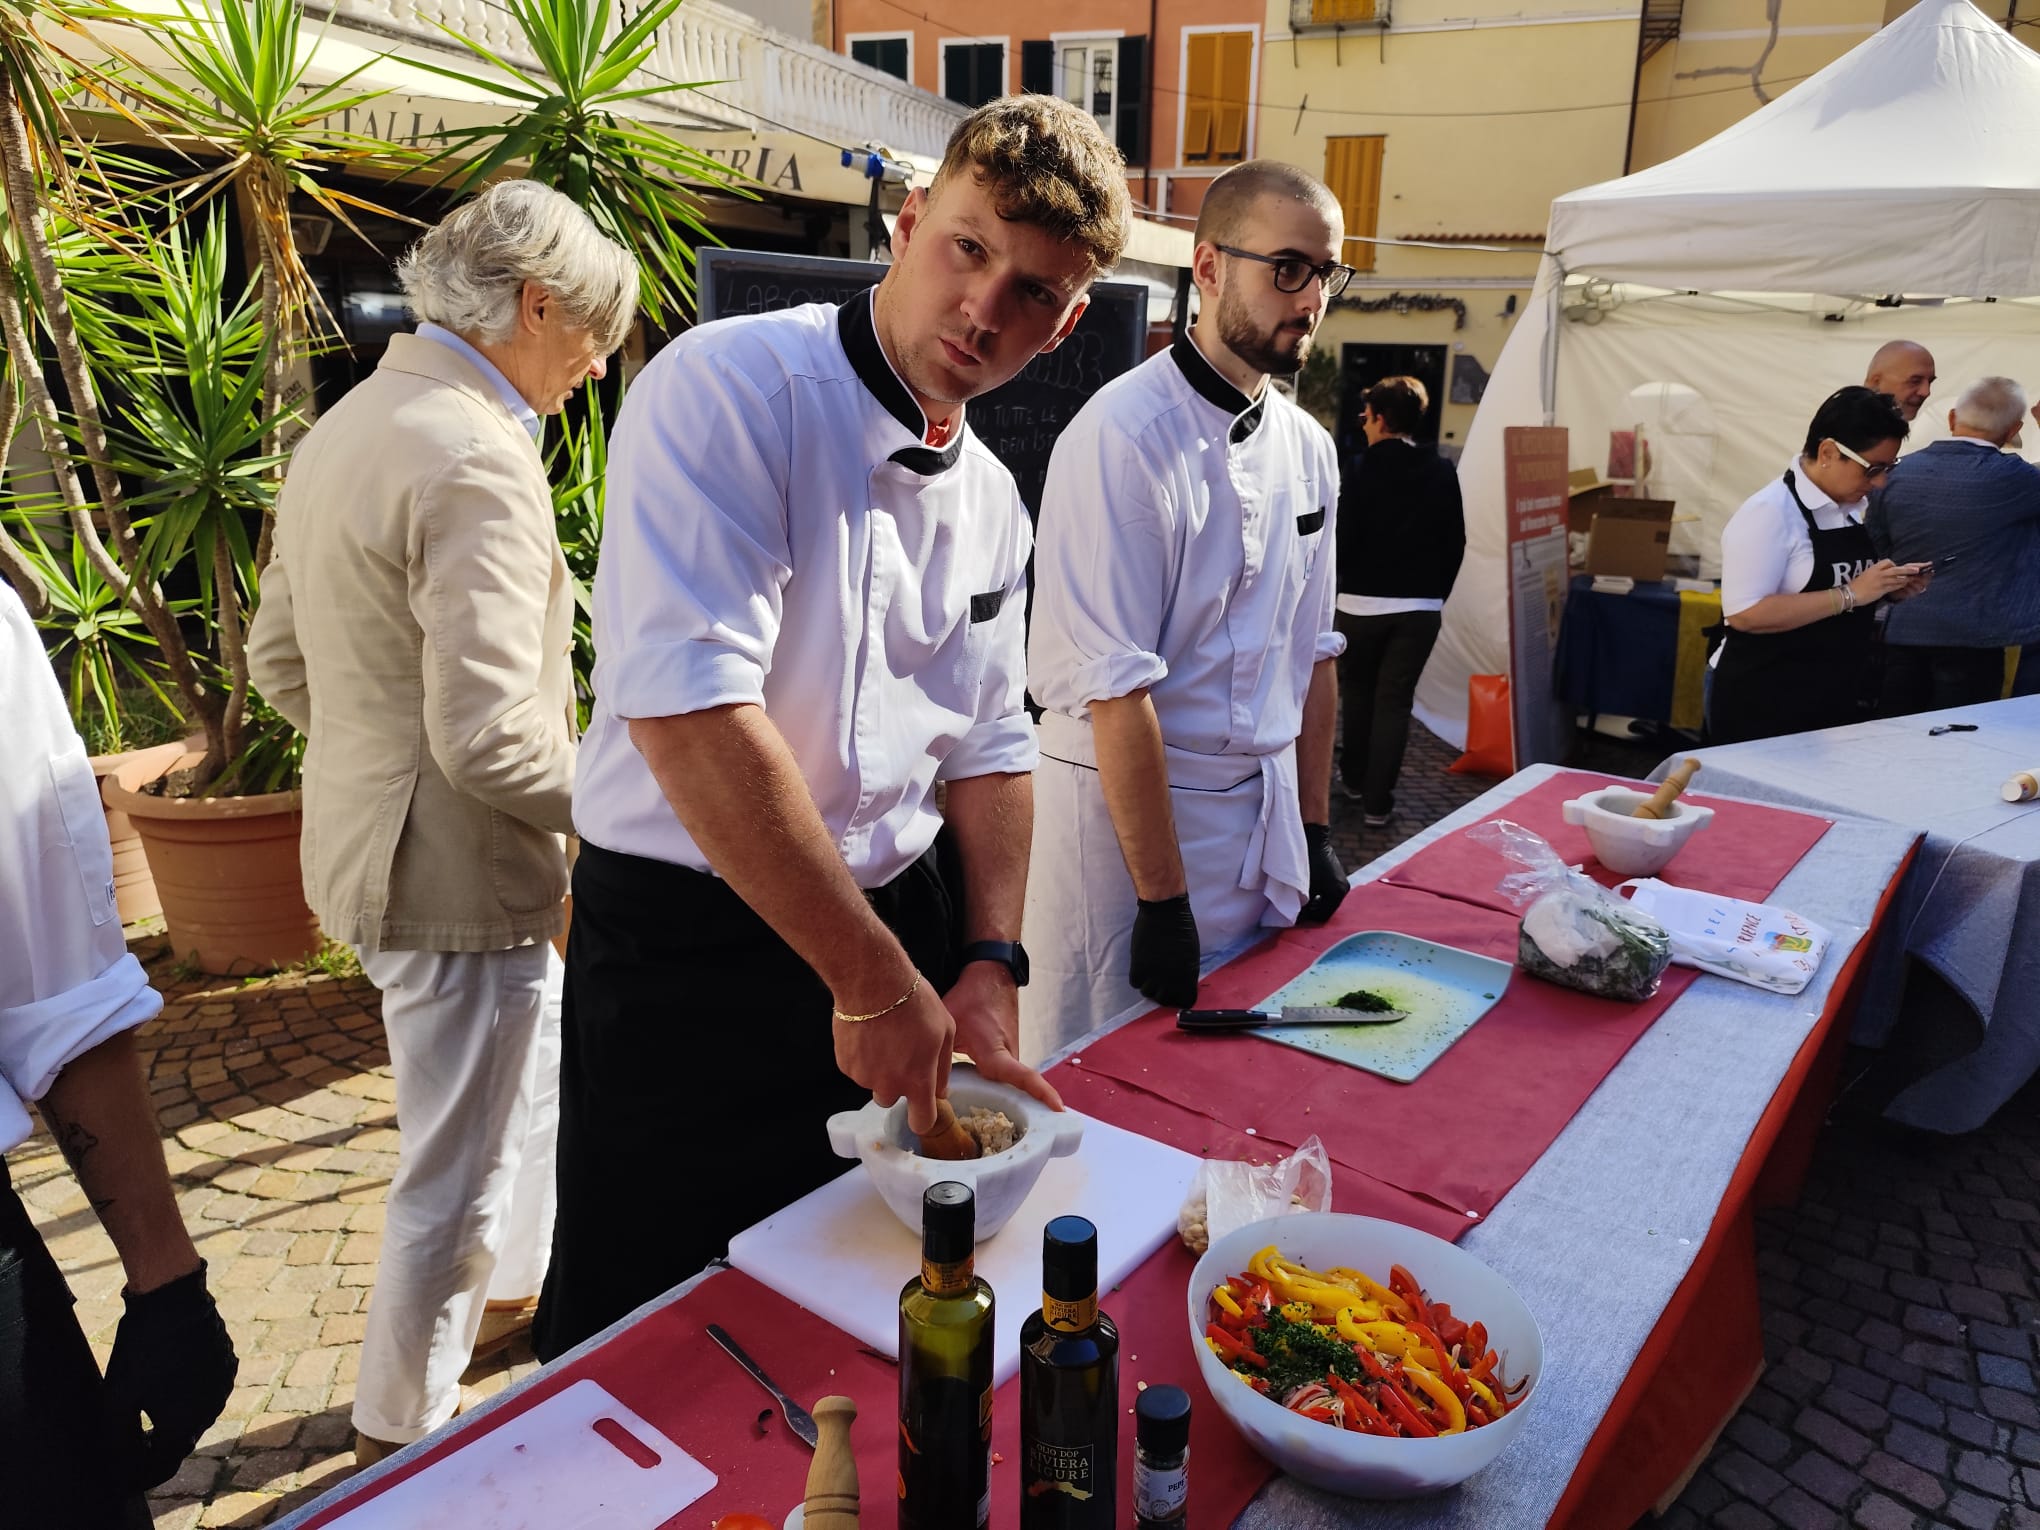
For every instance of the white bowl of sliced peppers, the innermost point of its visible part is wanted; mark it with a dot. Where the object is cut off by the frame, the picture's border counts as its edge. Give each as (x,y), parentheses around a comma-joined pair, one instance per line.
(1361,1356)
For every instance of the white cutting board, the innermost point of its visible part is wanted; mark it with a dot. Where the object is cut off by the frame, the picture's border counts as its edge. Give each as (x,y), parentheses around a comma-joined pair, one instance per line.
(547,1469)
(841,1254)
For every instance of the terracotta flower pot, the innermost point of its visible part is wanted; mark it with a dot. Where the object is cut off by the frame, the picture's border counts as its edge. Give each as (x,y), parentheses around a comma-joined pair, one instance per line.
(133,888)
(226,869)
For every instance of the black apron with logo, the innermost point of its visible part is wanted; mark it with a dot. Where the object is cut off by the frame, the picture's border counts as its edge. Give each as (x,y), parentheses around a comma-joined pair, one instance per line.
(1821,675)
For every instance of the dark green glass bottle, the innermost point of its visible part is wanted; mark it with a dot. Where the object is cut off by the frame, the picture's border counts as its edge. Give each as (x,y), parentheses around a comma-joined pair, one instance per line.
(946,1373)
(1069,1391)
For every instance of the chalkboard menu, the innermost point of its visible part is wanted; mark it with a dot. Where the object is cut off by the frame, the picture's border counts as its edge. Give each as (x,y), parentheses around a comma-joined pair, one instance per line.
(1019,422)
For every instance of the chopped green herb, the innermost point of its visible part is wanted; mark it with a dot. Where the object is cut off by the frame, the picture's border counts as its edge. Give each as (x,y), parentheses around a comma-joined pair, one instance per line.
(1298,1355)
(1364,1001)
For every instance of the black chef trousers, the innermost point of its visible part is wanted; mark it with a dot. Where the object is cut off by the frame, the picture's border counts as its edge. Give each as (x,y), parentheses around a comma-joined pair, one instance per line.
(58,1462)
(697,1074)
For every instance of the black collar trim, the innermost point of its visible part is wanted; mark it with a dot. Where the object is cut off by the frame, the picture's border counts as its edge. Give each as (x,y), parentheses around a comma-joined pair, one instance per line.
(858,332)
(1208,384)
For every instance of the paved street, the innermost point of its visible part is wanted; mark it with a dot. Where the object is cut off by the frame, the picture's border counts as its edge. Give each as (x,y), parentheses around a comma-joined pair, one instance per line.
(1900,1295)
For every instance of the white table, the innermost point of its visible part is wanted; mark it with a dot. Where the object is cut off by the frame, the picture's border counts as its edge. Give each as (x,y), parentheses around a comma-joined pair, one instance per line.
(1970,908)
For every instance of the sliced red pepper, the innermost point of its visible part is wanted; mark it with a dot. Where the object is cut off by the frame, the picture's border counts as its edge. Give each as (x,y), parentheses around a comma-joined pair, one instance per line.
(1321,1411)
(1476,1339)
(1361,1415)
(1233,1347)
(1397,1407)
(1404,1284)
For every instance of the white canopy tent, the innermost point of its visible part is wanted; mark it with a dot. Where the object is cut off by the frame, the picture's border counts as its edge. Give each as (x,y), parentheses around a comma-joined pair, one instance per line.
(1760,270)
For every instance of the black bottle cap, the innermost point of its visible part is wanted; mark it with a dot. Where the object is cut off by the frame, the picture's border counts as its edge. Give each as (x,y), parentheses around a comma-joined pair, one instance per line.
(1069,1259)
(948,1222)
(1161,1421)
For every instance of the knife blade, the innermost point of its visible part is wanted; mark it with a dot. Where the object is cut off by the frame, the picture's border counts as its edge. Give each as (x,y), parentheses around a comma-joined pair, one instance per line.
(798,1419)
(1290,1014)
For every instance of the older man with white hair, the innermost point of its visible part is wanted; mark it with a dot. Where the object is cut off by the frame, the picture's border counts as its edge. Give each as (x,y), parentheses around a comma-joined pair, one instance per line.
(1905,370)
(416,625)
(1971,509)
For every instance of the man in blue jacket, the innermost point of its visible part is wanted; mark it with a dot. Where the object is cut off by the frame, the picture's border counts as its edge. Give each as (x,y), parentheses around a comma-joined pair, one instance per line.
(1972,510)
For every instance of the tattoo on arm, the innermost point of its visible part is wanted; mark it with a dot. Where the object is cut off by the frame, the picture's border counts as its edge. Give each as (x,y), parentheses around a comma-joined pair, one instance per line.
(76,1144)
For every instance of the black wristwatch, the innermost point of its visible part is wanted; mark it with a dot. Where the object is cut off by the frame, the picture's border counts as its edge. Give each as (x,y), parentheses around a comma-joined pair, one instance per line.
(1009,954)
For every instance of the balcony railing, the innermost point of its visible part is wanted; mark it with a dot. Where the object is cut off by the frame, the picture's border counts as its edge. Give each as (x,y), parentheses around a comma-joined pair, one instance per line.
(1337,13)
(764,79)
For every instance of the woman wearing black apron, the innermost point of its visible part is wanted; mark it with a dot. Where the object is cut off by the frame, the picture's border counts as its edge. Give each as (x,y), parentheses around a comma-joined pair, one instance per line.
(1800,582)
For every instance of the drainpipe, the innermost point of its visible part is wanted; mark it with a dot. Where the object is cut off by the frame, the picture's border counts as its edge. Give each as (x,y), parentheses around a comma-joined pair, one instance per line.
(1154,59)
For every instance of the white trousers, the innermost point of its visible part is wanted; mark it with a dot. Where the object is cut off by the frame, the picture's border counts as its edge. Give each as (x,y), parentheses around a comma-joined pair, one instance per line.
(474,1040)
(1078,923)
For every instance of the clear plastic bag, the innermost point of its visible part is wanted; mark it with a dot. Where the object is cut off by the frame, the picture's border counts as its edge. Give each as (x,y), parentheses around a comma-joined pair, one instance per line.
(1575,932)
(1227,1196)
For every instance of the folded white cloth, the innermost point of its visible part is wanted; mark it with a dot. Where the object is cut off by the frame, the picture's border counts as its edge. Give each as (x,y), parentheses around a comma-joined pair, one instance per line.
(1614,584)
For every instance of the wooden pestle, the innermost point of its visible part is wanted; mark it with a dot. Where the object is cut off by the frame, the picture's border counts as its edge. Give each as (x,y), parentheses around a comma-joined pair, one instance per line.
(831,1502)
(947,1139)
(1660,803)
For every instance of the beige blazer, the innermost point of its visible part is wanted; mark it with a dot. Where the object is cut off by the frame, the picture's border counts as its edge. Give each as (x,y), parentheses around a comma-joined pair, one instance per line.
(416,626)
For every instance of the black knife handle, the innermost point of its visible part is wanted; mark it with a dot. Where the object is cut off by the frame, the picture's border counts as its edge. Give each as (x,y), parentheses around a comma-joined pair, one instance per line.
(1219,1019)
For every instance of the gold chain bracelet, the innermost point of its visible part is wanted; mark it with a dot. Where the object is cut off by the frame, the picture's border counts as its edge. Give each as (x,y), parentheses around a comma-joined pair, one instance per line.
(896,1003)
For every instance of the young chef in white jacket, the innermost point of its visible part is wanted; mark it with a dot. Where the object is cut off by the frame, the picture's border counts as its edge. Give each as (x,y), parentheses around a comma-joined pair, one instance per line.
(809,612)
(72,1447)
(1183,638)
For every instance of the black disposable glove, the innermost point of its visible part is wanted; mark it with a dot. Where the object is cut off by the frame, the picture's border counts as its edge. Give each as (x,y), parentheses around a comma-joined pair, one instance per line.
(172,1359)
(1328,887)
(1164,966)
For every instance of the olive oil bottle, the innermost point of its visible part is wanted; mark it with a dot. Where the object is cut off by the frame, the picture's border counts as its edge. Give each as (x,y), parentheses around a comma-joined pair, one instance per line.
(1069,1391)
(946,1373)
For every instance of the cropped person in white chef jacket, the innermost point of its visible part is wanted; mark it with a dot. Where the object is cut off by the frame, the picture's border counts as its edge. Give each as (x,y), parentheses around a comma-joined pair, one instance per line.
(72,1448)
(1184,636)
(809,612)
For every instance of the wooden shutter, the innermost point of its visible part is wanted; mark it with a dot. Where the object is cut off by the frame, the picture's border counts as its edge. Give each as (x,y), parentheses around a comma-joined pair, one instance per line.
(1235,81)
(956,72)
(1037,67)
(1200,97)
(1353,171)
(1130,99)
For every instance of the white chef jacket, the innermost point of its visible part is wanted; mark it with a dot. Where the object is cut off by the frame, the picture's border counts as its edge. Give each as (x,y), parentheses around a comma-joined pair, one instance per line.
(67,979)
(1187,546)
(777,532)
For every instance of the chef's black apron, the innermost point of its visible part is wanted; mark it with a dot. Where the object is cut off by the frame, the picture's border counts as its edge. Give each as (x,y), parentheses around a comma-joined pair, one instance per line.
(1822,675)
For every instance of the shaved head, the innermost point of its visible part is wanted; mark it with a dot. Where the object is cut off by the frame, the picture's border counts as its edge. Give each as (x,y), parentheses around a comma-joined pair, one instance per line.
(1905,370)
(1229,203)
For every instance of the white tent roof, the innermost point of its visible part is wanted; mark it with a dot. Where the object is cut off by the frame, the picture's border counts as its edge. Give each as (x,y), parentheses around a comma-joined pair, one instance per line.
(1910,164)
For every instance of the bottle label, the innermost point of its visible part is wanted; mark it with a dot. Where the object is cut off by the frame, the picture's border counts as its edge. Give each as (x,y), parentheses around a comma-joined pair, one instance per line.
(1069,1317)
(1065,1469)
(1160,1494)
(946,1279)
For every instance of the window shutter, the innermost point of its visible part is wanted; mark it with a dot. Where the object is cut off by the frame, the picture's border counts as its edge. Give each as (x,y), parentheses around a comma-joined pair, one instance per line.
(1353,172)
(1037,67)
(1234,85)
(1131,99)
(956,73)
(1200,89)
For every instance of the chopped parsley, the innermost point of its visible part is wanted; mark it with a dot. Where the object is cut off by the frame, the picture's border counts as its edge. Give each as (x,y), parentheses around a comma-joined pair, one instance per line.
(1364,1001)
(1298,1355)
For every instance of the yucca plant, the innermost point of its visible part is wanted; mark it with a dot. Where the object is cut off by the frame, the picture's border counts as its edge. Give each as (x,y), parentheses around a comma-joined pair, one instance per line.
(579,468)
(626,176)
(249,104)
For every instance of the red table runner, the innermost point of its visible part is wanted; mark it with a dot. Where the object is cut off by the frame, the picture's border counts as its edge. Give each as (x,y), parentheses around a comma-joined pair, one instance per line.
(1744,853)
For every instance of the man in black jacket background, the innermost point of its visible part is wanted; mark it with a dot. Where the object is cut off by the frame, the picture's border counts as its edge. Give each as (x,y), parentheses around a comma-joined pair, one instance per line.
(1402,534)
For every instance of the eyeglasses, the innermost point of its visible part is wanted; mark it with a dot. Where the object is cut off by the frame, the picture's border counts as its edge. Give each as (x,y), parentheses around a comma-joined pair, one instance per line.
(1871,469)
(1293,274)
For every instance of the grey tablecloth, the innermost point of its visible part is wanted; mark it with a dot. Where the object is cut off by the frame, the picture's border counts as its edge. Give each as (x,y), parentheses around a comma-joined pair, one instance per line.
(1970,907)
(1598,1235)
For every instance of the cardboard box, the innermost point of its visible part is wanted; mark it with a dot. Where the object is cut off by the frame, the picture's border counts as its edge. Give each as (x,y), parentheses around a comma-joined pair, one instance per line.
(1631,537)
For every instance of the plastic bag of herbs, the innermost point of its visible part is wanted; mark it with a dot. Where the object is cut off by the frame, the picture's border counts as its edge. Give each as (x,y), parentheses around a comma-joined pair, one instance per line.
(1575,932)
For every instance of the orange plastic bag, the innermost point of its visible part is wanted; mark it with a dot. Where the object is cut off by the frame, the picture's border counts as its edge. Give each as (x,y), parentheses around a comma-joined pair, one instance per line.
(1490,749)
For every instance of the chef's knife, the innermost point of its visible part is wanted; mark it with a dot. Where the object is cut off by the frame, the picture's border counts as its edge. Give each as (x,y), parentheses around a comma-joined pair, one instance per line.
(798,1419)
(1290,1014)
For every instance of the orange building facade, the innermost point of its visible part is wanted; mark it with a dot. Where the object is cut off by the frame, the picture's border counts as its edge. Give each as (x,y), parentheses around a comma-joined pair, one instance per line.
(1175,83)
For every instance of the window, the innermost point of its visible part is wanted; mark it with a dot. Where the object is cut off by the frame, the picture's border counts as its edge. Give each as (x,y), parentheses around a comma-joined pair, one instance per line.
(973,72)
(894,54)
(1353,171)
(1107,76)
(1084,74)
(1218,82)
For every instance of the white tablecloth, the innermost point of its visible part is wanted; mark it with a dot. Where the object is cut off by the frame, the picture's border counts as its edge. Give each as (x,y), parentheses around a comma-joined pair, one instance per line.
(1970,908)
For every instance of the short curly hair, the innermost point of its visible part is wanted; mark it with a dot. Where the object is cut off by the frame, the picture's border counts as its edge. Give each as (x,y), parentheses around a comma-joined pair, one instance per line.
(1046,162)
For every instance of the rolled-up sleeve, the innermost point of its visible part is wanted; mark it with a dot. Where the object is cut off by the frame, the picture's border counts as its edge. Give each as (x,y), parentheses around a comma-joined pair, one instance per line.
(1001,742)
(1102,569)
(1331,642)
(695,554)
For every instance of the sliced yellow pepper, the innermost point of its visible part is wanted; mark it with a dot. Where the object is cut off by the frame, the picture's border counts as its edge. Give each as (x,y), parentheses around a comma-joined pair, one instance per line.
(1299,1312)
(1374,1291)
(1434,1387)
(1494,1406)
(1224,1297)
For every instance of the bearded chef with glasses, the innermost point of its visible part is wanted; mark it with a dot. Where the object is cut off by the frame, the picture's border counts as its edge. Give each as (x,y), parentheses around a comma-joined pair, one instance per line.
(1183,639)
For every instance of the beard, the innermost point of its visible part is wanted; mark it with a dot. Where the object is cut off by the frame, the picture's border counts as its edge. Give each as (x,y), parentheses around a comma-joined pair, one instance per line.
(1280,351)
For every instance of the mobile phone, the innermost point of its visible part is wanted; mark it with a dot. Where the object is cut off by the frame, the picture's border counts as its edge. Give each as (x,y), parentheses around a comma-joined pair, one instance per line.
(1935,565)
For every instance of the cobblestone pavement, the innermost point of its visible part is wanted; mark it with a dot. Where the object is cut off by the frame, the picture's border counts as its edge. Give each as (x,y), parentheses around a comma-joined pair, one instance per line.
(1900,1296)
